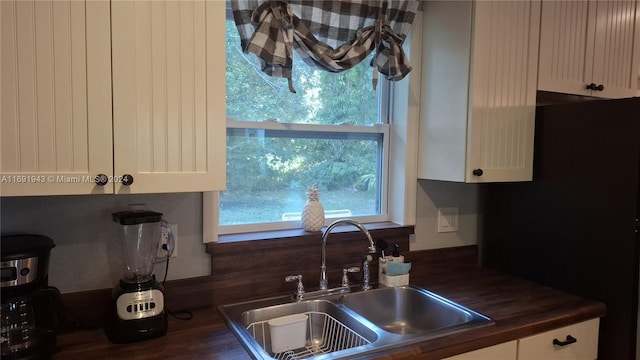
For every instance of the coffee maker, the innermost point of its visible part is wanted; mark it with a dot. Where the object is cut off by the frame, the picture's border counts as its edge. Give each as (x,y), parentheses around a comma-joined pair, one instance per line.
(32,312)
(138,299)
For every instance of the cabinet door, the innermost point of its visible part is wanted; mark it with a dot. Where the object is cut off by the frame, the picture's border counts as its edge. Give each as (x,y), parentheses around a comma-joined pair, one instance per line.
(543,346)
(503,91)
(169,95)
(566,46)
(504,351)
(56,97)
(584,42)
(616,48)
(478,91)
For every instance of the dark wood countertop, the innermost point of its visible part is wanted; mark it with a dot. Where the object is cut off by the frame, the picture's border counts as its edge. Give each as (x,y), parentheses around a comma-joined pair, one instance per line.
(519,309)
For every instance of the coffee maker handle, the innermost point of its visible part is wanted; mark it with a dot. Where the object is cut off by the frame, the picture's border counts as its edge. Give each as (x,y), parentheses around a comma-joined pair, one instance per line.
(170,244)
(48,305)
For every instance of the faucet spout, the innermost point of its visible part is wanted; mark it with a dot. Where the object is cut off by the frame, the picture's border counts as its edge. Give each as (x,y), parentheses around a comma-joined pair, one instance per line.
(323,268)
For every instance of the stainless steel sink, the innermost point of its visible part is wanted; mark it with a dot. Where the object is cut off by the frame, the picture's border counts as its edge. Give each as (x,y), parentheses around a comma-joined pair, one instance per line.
(407,310)
(353,324)
(329,328)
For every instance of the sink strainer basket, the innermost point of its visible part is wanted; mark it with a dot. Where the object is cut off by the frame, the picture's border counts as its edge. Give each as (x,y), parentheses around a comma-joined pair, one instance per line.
(325,335)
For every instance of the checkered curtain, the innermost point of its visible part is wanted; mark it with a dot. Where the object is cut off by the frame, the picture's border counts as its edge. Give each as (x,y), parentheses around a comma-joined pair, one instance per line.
(328,35)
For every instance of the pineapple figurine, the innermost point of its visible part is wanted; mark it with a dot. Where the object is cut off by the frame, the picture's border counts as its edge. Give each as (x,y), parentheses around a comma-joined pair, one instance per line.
(313,212)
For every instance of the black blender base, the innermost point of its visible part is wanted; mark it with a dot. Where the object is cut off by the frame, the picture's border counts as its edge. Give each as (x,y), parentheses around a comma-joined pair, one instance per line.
(127,331)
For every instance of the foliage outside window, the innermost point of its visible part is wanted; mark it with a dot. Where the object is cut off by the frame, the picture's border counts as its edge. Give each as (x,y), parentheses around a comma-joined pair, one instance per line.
(331,133)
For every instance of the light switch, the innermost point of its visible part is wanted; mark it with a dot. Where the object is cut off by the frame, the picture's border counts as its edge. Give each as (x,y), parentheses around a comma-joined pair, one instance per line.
(447,219)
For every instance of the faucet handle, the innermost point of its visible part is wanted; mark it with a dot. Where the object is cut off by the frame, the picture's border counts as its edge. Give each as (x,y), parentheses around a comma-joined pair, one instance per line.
(300,288)
(345,278)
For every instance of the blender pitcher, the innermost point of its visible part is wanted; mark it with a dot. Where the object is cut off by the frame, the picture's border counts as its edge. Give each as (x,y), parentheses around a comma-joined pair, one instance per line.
(141,234)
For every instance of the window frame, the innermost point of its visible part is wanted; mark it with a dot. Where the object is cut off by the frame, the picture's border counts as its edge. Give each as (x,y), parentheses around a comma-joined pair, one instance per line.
(285,225)
(403,148)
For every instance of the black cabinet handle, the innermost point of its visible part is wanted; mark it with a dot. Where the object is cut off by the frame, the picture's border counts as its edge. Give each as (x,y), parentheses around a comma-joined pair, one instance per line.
(477,172)
(595,87)
(570,340)
(127,179)
(101,179)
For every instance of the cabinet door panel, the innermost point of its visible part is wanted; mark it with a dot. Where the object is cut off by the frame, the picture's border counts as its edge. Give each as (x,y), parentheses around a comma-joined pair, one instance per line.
(504,351)
(590,42)
(56,103)
(503,91)
(616,40)
(566,46)
(169,111)
(542,346)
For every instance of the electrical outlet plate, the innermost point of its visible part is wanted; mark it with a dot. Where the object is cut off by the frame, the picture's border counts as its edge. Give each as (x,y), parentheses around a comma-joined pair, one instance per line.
(165,238)
(447,219)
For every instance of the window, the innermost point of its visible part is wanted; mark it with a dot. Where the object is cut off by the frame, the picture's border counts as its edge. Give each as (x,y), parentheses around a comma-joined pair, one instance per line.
(334,132)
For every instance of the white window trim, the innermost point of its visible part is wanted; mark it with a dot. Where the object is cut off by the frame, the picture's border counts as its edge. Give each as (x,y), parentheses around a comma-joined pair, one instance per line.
(274,125)
(402,151)
(403,156)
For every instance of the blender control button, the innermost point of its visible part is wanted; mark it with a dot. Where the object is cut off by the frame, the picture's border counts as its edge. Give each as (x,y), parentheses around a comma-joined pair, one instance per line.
(146,306)
(129,308)
(24,271)
(152,305)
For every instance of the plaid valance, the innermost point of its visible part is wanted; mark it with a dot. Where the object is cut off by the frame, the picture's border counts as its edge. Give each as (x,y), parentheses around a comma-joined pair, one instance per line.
(329,35)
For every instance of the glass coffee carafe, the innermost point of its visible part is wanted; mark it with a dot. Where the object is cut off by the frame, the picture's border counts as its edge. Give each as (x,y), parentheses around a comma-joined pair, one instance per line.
(29,322)
(31,312)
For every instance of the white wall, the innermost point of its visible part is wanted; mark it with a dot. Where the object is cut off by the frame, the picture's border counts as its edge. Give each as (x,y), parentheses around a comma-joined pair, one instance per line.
(436,194)
(82,229)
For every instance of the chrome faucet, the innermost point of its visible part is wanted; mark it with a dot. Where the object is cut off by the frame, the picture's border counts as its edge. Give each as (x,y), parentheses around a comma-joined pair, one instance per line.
(325,236)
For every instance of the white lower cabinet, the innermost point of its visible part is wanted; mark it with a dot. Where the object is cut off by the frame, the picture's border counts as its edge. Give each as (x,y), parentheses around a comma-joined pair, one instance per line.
(504,351)
(578,341)
(574,342)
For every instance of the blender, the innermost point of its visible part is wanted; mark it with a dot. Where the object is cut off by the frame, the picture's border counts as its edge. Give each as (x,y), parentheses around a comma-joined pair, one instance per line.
(138,299)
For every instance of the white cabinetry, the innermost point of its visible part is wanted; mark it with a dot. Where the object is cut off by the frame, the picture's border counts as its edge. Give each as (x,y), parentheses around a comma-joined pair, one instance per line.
(478,90)
(590,48)
(578,341)
(56,96)
(504,351)
(574,342)
(166,62)
(169,110)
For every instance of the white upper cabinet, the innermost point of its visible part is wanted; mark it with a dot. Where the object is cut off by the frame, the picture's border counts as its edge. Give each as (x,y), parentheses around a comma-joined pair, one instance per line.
(478,91)
(590,48)
(165,127)
(169,111)
(56,96)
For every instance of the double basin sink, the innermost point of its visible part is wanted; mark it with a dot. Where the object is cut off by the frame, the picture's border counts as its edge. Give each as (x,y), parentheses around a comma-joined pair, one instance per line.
(351,324)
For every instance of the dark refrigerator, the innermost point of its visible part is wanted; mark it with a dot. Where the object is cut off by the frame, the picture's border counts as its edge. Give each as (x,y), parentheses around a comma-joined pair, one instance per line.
(575,226)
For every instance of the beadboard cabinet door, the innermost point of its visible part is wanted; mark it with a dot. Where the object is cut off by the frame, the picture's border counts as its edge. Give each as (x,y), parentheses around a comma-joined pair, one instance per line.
(162,63)
(169,111)
(478,92)
(56,97)
(590,48)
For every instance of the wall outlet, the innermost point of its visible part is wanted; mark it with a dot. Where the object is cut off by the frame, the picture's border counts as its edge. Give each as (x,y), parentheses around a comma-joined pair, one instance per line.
(165,238)
(447,219)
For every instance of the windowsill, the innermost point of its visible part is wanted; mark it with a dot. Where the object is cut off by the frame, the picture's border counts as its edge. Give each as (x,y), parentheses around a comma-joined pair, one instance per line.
(379,229)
